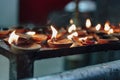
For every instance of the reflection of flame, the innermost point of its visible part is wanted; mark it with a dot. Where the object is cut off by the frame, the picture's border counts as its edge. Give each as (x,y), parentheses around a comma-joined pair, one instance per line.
(72,28)
(54,32)
(83,38)
(13,38)
(98,27)
(72,35)
(31,33)
(71,21)
(88,23)
(110,31)
(107,27)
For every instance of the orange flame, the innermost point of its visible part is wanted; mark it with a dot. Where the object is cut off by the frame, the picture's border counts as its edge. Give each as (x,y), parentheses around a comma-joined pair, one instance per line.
(107,26)
(72,28)
(110,31)
(31,33)
(72,35)
(71,21)
(98,27)
(13,38)
(54,32)
(88,23)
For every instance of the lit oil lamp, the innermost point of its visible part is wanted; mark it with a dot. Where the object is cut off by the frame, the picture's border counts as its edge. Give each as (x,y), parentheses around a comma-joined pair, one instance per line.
(101,31)
(22,45)
(58,43)
(87,40)
(74,37)
(105,35)
(73,28)
(107,38)
(114,34)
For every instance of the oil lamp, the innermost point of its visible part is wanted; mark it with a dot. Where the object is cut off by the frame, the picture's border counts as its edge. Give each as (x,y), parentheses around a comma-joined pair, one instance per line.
(19,44)
(38,38)
(58,43)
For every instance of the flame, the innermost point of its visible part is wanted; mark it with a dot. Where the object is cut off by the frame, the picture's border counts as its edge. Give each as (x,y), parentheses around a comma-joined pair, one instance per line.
(31,33)
(98,27)
(71,21)
(72,28)
(88,23)
(72,35)
(110,31)
(13,38)
(54,32)
(107,27)
(83,38)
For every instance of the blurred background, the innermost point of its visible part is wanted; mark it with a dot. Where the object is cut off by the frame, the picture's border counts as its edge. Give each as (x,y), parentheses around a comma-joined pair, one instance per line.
(59,12)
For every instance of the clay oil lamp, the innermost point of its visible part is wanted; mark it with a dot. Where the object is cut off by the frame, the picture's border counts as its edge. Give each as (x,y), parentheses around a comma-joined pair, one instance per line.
(20,44)
(114,31)
(110,30)
(37,37)
(87,40)
(107,39)
(73,37)
(58,43)
(90,29)
(101,31)
(73,28)
(116,28)
(114,34)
